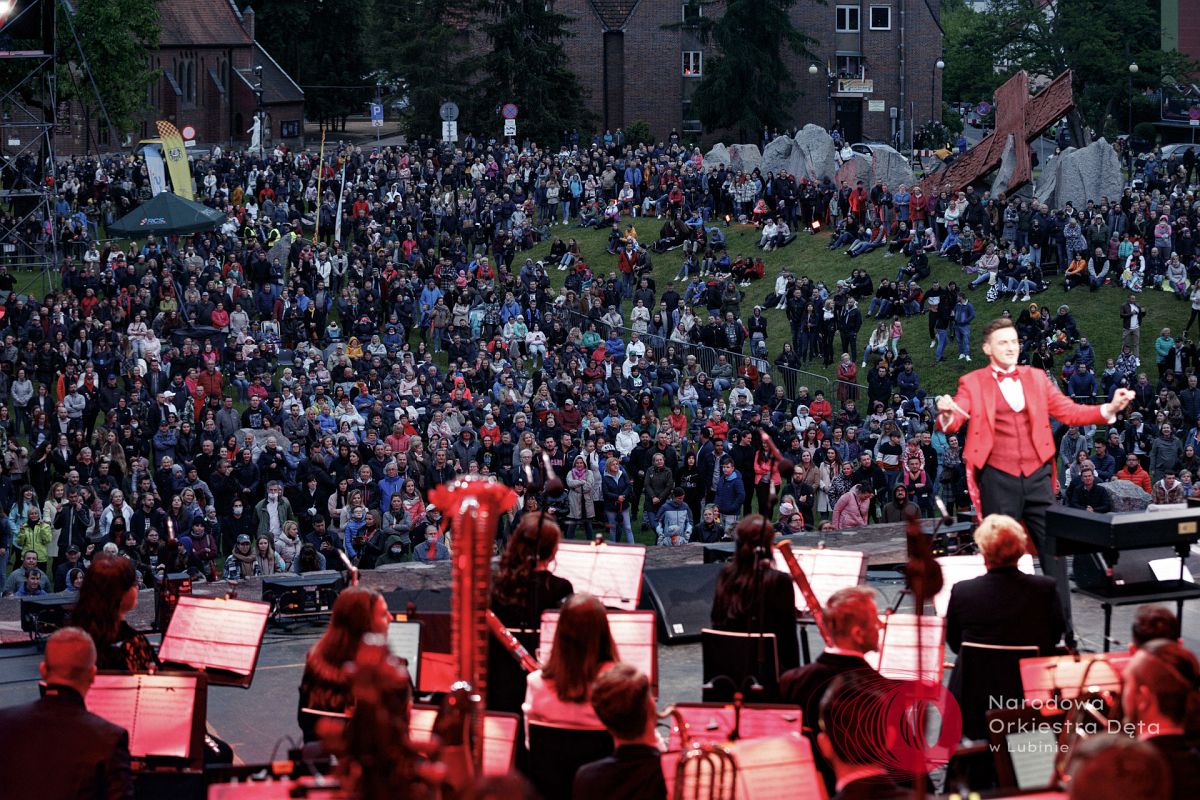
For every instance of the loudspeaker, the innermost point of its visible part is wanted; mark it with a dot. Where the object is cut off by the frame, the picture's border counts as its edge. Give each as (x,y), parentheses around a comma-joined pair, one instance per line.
(681,598)
(309,594)
(1131,569)
(45,614)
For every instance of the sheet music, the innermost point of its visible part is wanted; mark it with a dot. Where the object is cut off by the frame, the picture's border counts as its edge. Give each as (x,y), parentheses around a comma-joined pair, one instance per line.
(156,710)
(404,641)
(956,569)
(214,633)
(613,573)
(1043,677)
(1168,569)
(713,723)
(827,571)
(775,768)
(896,657)
(1032,754)
(634,633)
(499,736)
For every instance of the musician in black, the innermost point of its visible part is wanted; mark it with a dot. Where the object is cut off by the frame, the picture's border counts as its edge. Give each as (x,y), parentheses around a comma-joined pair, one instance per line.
(752,596)
(522,589)
(1161,705)
(623,701)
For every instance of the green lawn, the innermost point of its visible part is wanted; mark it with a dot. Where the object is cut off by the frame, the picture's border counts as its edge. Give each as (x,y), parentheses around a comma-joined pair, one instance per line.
(1096,313)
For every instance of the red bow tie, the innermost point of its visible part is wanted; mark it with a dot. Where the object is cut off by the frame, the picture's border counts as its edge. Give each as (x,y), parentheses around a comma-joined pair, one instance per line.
(1003,376)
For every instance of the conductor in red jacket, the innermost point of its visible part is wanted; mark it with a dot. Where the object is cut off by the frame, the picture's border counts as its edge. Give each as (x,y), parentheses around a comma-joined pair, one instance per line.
(1009,453)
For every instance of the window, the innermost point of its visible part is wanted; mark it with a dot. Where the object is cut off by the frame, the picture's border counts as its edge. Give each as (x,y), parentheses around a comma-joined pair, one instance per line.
(692,10)
(850,67)
(881,18)
(692,63)
(848,19)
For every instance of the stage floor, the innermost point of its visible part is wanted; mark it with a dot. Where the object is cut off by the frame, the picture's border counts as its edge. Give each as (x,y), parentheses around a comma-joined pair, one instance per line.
(254,720)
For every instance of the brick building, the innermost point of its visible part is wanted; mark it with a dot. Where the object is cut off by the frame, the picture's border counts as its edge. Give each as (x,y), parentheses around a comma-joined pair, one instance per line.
(871,57)
(211,68)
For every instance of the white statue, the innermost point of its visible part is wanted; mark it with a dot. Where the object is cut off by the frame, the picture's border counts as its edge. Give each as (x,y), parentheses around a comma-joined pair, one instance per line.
(256,134)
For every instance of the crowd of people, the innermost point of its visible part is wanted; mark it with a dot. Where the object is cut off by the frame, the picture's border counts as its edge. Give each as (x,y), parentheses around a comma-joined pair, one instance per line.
(249,401)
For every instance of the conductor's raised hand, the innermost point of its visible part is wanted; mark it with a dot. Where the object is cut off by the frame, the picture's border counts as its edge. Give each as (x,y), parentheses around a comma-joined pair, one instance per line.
(947,408)
(1121,399)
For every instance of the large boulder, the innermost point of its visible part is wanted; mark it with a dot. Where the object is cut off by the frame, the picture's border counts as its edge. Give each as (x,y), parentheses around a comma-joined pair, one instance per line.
(1079,175)
(1126,496)
(858,168)
(744,157)
(718,156)
(891,168)
(782,155)
(817,151)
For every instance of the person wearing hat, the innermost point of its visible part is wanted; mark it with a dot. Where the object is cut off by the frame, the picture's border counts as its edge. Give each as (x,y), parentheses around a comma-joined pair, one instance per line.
(242,562)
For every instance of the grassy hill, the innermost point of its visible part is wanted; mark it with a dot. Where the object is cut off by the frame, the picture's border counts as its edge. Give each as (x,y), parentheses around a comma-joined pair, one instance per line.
(1096,313)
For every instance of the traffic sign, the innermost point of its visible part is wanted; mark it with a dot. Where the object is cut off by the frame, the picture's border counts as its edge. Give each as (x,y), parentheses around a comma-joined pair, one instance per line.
(449,130)
(509,111)
(1194,112)
(188,132)
(448,111)
(510,127)
(984,108)
(376,115)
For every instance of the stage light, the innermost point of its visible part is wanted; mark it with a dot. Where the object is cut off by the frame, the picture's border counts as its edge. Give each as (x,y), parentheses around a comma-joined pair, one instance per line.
(727,218)
(816,226)
(6,8)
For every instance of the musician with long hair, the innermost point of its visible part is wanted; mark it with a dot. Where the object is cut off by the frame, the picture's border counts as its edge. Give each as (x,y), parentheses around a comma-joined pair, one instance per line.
(752,596)
(325,685)
(522,589)
(108,594)
(559,693)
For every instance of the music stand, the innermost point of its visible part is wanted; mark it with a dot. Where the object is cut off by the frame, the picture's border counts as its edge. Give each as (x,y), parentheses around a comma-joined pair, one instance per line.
(1049,679)
(219,636)
(897,658)
(739,662)
(773,768)
(714,722)
(610,572)
(499,736)
(634,632)
(956,569)
(827,571)
(1024,744)
(404,642)
(164,713)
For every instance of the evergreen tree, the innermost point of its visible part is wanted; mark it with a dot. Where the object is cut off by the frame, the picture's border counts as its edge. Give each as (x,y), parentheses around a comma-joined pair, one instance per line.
(747,86)
(418,46)
(526,65)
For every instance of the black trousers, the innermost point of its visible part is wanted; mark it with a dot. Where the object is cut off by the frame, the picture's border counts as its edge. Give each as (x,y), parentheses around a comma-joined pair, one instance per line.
(1027,500)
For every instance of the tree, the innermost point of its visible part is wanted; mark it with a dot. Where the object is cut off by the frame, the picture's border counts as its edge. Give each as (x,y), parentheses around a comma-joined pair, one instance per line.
(417,43)
(322,44)
(748,85)
(526,65)
(115,36)
(1096,39)
(970,74)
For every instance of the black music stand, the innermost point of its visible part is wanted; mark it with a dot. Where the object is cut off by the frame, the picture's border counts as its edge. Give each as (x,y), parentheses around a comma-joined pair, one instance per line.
(732,665)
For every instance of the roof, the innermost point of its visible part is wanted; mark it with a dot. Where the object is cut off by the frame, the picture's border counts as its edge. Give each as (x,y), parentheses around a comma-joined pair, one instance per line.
(614,14)
(199,23)
(278,86)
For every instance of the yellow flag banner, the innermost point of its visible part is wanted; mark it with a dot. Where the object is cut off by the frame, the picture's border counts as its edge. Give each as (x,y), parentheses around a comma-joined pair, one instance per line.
(176,158)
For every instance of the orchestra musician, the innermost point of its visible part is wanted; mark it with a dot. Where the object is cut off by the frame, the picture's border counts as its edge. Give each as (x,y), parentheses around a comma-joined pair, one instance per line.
(523,588)
(325,685)
(109,592)
(89,756)
(852,619)
(622,699)
(752,596)
(1011,404)
(558,693)
(1161,704)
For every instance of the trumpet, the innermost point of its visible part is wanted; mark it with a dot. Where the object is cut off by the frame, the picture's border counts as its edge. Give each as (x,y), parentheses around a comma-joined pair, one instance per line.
(704,771)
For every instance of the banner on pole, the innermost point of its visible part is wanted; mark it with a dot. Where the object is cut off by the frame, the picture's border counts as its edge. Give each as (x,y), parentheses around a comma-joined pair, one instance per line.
(176,158)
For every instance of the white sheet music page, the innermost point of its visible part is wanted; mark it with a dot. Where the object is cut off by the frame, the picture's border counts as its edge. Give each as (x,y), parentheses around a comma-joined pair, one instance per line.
(499,737)
(956,569)
(610,572)
(157,711)
(215,633)
(1033,754)
(896,657)
(634,632)
(827,571)
(713,723)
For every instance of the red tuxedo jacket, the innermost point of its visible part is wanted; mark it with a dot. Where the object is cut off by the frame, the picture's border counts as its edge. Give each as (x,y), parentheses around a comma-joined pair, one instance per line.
(978,394)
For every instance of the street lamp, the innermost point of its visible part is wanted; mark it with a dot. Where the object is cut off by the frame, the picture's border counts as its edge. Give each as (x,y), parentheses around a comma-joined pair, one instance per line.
(1133,69)
(814,70)
(938,66)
